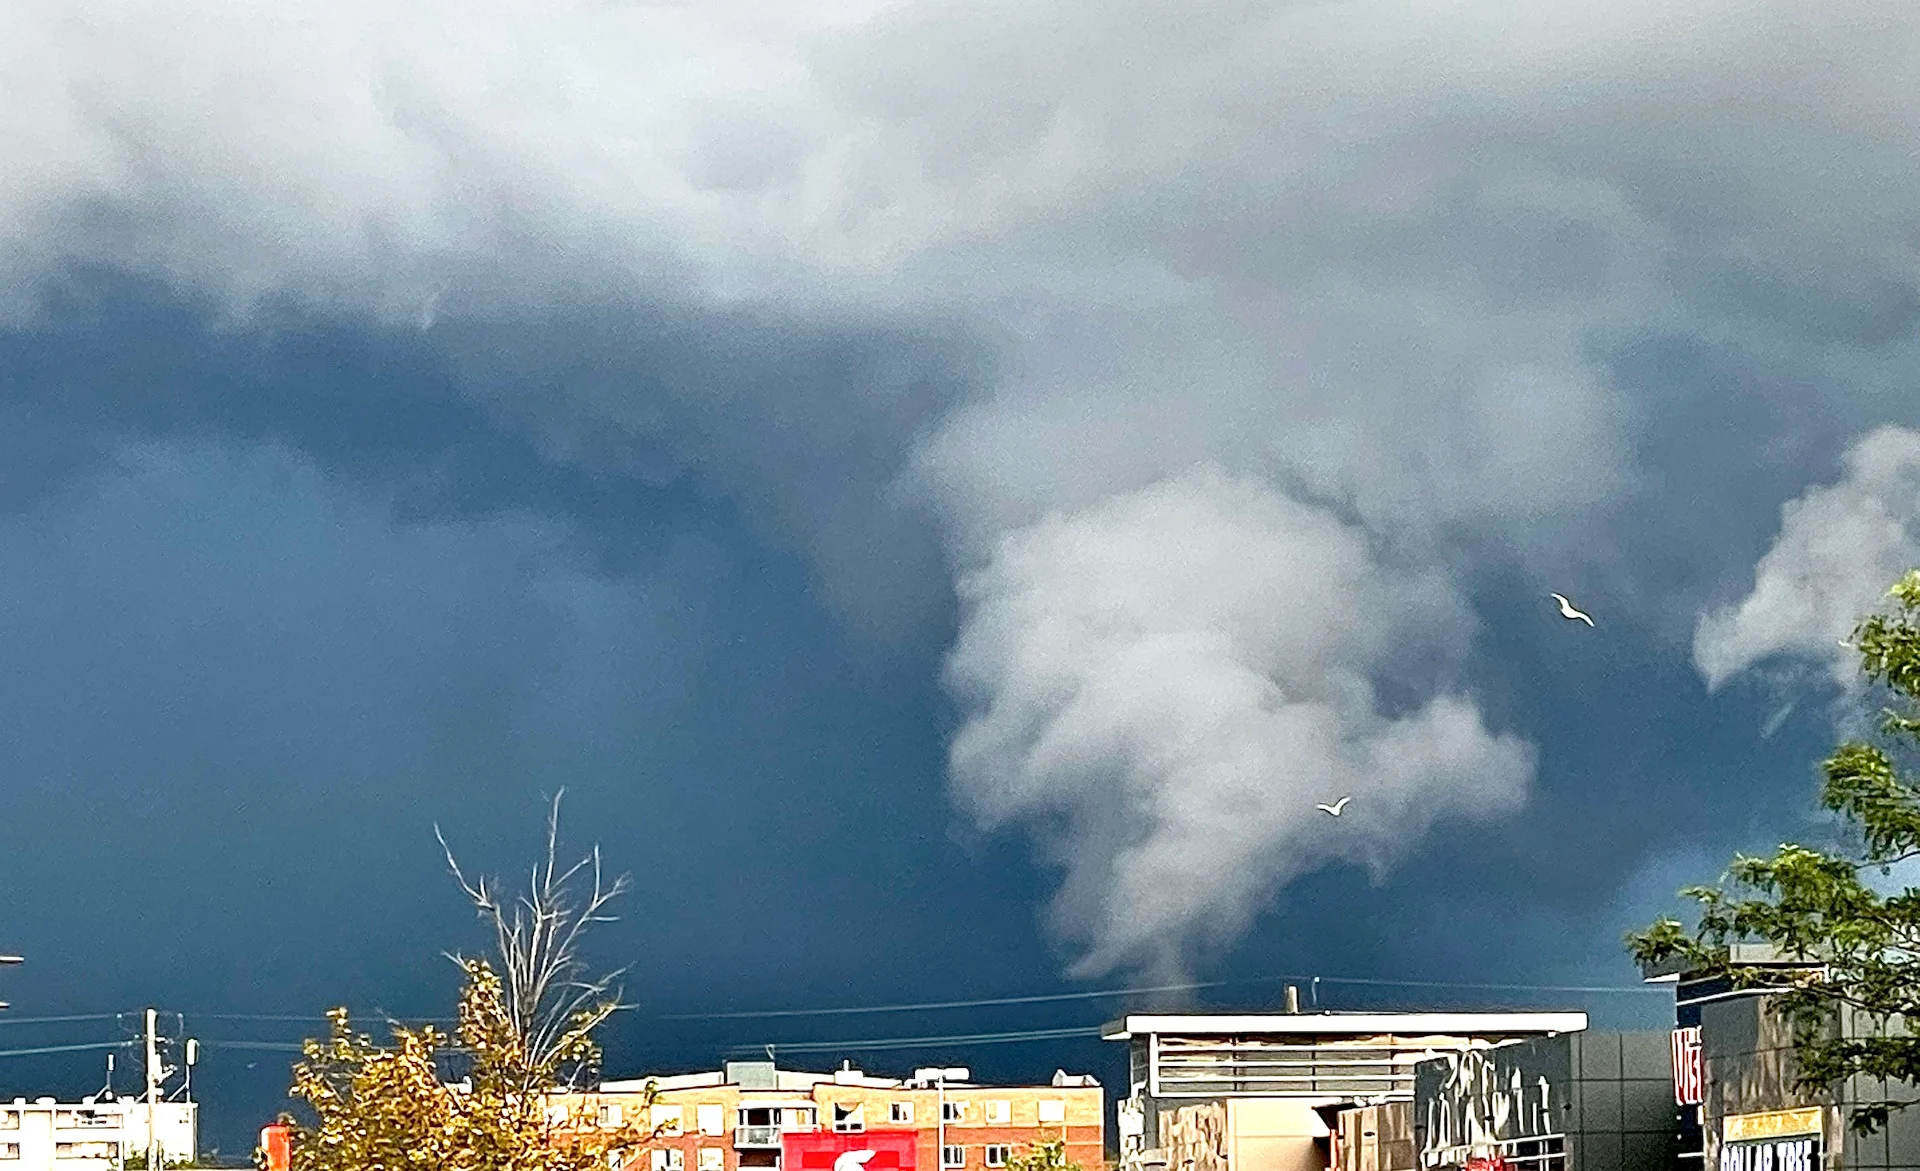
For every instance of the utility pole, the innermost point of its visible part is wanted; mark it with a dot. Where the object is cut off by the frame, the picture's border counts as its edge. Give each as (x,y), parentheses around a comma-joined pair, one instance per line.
(939,1078)
(153,1090)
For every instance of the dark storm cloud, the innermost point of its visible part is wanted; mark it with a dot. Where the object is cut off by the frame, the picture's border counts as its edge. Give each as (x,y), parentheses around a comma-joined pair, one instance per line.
(1430,293)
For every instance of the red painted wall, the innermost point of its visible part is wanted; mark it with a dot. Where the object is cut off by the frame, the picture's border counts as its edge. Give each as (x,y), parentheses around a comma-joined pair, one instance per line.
(893,1150)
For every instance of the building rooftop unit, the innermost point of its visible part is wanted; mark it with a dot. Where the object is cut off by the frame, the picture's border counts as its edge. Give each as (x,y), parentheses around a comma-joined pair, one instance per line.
(1321,1055)
(1278,1073)
(1347,1024)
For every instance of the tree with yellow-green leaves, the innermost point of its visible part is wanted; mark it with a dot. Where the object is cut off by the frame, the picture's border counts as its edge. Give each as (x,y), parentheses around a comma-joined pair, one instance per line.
(498,1093)
(1047,1155)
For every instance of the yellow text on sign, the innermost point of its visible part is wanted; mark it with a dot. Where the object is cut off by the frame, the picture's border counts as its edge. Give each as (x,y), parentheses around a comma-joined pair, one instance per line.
(1739,1128)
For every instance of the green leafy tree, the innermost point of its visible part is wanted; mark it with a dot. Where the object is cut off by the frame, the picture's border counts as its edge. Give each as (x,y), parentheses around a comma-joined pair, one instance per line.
(1861,948)
(1046,1155)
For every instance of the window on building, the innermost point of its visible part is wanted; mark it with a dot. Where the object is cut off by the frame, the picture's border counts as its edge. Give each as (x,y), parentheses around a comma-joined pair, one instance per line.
(9,1120)
(759,1116)
(610,1114)
(952,1156)
(669,1159)
(711,1117)
(9,1150)
(712,1159)
(848,1119)
(996,1155)
(666,1119)
(900,1113)
(802,1118)
(952,1111)
(998,1112)
(1053,1110)
(83,1150)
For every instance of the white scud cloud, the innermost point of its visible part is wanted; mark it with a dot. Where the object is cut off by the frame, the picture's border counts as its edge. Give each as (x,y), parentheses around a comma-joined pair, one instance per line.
(1169,681)
(1838,549)
(1361,254)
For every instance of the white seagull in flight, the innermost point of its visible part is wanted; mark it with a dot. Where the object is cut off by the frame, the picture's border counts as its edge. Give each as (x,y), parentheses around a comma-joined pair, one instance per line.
(1567,610)
(1334,808)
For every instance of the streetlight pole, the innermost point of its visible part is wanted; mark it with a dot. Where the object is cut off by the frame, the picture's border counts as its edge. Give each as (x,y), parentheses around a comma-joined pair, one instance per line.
(153,1091)
(939,1078)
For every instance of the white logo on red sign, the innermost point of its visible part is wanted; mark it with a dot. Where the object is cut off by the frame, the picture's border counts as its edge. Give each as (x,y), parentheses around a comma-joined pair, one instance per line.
(1689,1078)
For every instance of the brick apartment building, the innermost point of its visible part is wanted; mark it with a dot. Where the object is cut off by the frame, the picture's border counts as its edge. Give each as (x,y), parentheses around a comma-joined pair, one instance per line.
(753,1115)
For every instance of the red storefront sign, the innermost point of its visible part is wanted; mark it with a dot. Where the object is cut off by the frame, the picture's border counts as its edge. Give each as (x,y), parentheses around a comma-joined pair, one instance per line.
(872,1150)
(1689,1077)
(276,1147)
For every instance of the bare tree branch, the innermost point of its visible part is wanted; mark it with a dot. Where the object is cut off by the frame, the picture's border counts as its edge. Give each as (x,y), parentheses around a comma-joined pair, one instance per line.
(551,998)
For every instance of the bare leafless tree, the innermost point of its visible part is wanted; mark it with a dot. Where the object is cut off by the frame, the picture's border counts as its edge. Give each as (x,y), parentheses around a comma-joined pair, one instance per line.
(551,996)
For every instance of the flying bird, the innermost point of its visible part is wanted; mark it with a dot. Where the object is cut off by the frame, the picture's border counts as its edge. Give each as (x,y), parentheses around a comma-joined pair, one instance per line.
(1334,808)
(1567,610)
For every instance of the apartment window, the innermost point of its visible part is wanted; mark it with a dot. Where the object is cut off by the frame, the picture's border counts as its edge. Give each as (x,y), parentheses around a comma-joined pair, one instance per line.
(712,1159)
(801,1117)
(610,1114)
(848,1119)
(996,1155)
(9,1150)
(998,1113)
(666,1119)
(951,1156)
(952,1111)
(1053,1110)
(759,1116)
(711,1118)
(900,1113)
(83,1150)
(9,1120)
(669,1159)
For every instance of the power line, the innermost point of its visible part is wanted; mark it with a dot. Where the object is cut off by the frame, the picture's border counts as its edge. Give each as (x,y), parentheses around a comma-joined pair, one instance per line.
(929,1005)
(308,1018)
(39,1049)
(1107,993)
(52,1020)
(1608,988)
(262,1046)
(874,1043)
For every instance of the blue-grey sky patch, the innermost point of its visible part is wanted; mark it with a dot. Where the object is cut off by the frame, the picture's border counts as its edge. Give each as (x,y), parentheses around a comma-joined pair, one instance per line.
(729,414)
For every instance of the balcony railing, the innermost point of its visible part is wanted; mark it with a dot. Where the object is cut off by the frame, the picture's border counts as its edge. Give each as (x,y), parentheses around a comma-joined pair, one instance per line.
(756,1136)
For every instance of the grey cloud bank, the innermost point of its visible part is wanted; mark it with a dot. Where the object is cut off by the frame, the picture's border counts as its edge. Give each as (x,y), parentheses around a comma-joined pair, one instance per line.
(1839,547)
(1365,263)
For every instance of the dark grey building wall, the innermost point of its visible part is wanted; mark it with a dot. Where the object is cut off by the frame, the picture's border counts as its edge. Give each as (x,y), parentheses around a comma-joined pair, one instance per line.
(1609,1094)
(1750,1068)
(1624,1116)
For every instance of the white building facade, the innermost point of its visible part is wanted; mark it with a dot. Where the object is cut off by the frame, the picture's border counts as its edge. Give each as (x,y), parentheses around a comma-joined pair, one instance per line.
(92,1135)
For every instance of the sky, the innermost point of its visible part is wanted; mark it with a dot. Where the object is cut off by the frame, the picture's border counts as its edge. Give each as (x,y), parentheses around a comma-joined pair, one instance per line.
(945,488)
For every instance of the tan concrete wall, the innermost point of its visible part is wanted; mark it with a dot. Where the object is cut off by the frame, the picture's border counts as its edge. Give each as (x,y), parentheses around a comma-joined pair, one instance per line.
(1274,1134)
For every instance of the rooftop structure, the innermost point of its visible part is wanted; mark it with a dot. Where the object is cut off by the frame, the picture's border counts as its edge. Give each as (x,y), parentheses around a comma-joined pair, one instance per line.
(91,1134)
(1282,1074)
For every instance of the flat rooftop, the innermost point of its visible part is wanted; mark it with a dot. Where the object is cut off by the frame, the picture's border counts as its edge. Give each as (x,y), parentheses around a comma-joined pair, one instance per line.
(1347,1024)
